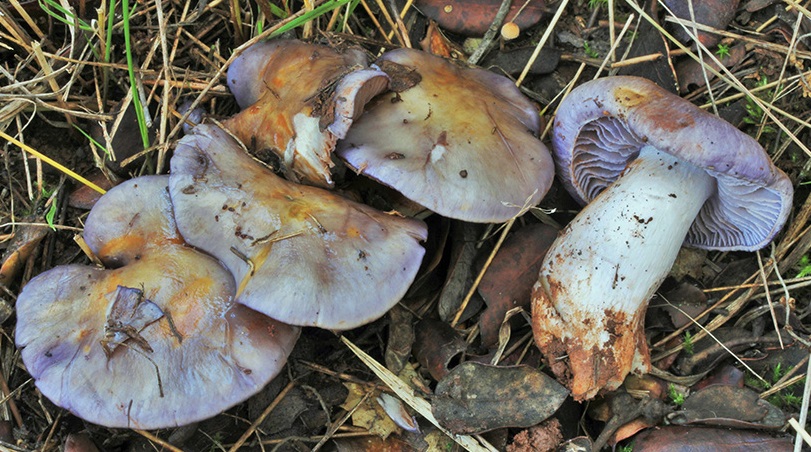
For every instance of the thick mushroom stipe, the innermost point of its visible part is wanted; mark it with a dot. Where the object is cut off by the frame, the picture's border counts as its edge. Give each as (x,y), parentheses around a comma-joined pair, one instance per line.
(158,342)
(460,142)
(299,254)
(612,257)
(659,173)
(298,99)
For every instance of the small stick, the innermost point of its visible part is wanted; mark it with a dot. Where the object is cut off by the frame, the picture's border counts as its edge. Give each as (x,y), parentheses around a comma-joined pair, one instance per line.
(155,439)
(262,417)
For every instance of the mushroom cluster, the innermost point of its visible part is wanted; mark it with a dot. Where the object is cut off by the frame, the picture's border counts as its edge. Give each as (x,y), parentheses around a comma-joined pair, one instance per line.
(657,172)
(156,339)
(211,271)
(485,165)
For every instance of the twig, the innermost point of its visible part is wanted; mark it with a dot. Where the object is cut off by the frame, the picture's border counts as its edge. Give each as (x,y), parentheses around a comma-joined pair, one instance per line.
(490,35)
(51,162)
(546,34)
(262,416)
(800,427)
(155,439)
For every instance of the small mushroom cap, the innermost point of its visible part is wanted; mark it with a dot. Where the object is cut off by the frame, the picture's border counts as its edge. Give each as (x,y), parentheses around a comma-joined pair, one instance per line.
(601,126)
(461,142)
(131,218)
(299,254)
(298,100)
(155,344)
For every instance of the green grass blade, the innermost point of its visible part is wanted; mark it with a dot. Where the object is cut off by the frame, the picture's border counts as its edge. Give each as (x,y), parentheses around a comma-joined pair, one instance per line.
(136,98)
(320,10)
(55,10)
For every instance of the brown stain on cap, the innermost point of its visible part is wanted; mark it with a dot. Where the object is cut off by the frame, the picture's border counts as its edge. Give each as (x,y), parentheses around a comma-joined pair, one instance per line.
(629,98)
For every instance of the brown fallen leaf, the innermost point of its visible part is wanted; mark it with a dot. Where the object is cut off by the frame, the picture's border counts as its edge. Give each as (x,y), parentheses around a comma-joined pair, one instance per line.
(25,241)
(683,439)
(691,72)
(368,413)
(436,345)
(729,406)
(473,17)
(475,398)
(510,277)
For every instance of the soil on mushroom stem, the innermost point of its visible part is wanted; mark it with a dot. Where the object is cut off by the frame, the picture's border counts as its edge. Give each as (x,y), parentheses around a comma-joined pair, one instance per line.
(320,364)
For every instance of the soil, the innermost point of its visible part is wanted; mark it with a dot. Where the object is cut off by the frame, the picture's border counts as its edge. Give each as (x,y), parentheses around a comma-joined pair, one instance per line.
(56,101)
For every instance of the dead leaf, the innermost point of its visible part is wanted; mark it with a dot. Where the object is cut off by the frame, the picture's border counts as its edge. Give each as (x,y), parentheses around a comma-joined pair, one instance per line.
(369,414)
(510,277)
(729,406)
(476,397)
(691,72)
(436,345)
(473,17)
(401,338)
(390,444)
(460,273)
(25,241)
(683,439)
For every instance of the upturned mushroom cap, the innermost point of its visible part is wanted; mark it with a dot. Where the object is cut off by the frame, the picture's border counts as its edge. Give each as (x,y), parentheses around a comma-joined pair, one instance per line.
(661,172)
(298,100)
(461,141)
(299,254)
(601,126)
(156,343)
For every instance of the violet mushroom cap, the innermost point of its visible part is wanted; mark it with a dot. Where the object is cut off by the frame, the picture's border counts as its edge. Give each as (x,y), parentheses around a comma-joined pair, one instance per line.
(658,172)
(299,254)
(461,142)
(158,342)
(298,99)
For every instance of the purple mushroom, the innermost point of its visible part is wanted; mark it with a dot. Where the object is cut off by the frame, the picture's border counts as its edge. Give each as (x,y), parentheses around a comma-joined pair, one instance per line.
(155,342)
(298,99)
(300,254)
(459,141)
(658,173)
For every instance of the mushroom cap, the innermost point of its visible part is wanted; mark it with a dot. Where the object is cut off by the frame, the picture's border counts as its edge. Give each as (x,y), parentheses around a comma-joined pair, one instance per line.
(271,61)
(299,254)
(131,218)
(158,342)
(298,99)
(602,124)
(461,142)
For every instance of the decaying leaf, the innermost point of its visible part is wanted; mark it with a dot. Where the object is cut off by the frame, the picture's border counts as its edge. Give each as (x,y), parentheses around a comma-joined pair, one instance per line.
(129,313)
(677,438)
(24,242)
(510,277)
(436,345)
(401,338)
(729,406)
(473,17)
(476,397)
(460,274)
(369,414)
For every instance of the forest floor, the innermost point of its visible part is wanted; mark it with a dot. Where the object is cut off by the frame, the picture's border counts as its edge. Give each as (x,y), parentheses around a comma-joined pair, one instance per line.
(725,326)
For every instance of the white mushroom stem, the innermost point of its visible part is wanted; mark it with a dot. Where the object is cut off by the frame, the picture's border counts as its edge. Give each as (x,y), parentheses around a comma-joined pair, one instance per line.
(598,276)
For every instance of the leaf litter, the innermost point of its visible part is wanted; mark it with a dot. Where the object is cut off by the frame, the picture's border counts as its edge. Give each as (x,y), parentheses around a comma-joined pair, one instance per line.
(79,77)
